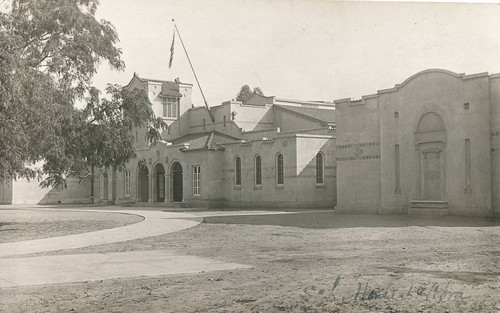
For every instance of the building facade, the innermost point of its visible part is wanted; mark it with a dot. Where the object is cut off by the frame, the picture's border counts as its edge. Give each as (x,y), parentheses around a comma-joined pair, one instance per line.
(427,146)
(430,145)
(264,152)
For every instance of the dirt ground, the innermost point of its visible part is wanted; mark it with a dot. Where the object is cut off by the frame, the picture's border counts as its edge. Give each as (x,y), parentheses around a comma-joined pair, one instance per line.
(315,262)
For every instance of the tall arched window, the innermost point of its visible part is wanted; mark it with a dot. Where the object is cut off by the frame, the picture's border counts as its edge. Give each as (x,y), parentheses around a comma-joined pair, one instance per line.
(279,169)
(320,168)
(237,171)
(258,170)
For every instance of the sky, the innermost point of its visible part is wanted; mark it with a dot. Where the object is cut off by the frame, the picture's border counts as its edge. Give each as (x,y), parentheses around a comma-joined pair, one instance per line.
(306,50)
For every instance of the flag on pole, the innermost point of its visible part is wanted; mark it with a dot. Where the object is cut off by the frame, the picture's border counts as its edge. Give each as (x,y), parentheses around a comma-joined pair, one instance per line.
(172,51)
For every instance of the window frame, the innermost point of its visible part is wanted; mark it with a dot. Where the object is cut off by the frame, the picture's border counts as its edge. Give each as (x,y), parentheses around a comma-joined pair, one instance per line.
(237,171)
(127,183)
(280,179)
(170,107)
(258,170)
(320,168)
(196,180)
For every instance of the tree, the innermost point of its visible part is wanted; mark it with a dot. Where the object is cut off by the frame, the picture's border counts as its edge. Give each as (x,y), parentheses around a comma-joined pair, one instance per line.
(100,136)
(49,53)
(245,93)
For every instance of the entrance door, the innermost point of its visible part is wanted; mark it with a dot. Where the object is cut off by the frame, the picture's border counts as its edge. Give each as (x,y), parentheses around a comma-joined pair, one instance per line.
(431,171)
(431,156)
(177,181)
(143,184)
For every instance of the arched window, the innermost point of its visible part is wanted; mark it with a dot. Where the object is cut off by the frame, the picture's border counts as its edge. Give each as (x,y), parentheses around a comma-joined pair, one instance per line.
(320,168)
(430,121)
(237,171)
(258,170)
(279,169)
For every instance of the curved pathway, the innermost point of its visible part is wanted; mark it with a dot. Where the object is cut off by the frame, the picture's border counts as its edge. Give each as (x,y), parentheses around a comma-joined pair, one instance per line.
(155,223)
(17,269)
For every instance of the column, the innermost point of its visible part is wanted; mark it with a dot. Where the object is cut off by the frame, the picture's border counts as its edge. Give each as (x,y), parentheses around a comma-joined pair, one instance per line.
(150,193)
(167,188)
(113,186)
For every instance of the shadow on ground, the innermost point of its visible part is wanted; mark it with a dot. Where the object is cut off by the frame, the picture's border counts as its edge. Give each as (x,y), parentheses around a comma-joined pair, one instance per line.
(324,220)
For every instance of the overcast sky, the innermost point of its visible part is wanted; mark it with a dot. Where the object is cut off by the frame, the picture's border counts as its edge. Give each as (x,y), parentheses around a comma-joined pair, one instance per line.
(308,50)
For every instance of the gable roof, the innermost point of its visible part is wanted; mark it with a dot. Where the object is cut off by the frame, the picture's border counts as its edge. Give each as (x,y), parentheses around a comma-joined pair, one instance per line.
(259,100)
(204,141)
(322,115)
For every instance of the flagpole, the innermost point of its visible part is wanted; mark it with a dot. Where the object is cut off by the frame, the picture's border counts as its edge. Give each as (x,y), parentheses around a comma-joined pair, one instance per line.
(196,77)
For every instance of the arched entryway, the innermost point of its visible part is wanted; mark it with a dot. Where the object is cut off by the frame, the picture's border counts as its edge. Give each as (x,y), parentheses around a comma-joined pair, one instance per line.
(430,139)
(159,188)
(142,184)
(177,182)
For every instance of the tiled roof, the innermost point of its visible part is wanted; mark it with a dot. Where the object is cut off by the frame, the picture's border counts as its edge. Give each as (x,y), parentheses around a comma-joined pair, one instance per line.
(327,116)
(170,89)
(208,140)
(218,139)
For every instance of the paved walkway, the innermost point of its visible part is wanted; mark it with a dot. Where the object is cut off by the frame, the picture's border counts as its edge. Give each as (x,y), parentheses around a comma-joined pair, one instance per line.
(154,224)
(19,270)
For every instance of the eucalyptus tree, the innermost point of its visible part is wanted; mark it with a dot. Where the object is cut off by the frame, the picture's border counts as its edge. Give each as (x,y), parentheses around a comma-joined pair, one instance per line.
(50,51)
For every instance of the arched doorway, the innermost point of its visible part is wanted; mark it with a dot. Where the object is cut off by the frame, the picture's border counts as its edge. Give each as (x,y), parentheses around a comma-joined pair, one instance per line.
(177,182)
(142,184)
(159,173)
(430,138)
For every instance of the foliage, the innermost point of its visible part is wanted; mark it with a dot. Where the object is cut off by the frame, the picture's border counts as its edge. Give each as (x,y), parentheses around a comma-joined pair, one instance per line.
(100,135)
(245,93)
(49,52)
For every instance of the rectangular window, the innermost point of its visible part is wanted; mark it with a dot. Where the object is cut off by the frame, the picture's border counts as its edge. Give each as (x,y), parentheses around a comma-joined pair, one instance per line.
(204,124)
(396,166)
(196,180)
(225,121)
(127,182)
(169,107)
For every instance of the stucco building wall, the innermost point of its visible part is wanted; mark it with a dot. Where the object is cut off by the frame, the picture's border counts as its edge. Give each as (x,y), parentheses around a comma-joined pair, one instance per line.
(454,153)
(495,140)
(358,156)
(6,193)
